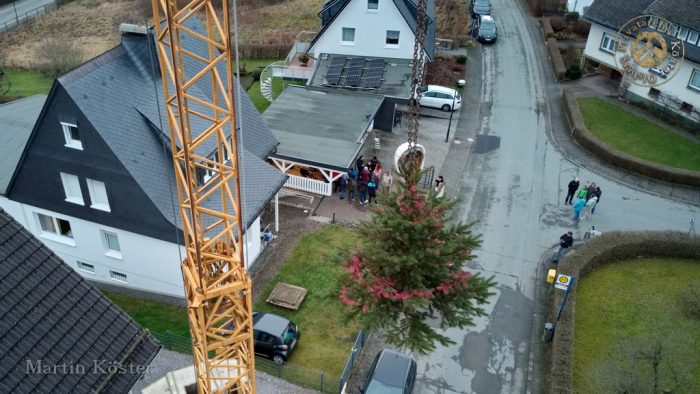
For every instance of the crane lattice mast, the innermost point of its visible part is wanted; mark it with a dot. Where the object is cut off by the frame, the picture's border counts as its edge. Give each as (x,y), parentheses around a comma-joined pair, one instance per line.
(217,286)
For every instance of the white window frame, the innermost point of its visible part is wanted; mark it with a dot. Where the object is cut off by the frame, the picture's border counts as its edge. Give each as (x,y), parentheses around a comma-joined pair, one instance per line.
(109,252)
(83,266)
(98,195)
(54,233)
(696,72)
(114,275)
(604,47)
(386,38)
(693,37)
(70,142)
(373,10)
(71,188)
(682,33)
(342,36)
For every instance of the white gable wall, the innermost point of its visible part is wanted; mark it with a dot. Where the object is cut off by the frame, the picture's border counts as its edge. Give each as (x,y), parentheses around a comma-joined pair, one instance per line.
(370,32)
(676,86)
(150,264)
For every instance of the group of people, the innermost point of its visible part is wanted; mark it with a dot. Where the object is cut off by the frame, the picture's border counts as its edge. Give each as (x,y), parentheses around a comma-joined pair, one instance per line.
(364,181)
(587,198)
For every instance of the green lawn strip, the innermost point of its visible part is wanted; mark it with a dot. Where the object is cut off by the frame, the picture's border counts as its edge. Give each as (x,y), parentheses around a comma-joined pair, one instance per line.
(314,264)
(27,83)
(637,136)
(630,300)
(257,98)
(155,316)
(252,64)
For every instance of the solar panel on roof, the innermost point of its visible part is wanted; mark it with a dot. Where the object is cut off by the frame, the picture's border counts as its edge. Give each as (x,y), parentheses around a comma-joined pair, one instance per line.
(376,63)
(334,69)
(374,74)
(354,72)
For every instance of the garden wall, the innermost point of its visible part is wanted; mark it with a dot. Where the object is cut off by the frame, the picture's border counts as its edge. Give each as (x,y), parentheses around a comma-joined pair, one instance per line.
(617,158)
(547,28)
(557,61)
(599,251)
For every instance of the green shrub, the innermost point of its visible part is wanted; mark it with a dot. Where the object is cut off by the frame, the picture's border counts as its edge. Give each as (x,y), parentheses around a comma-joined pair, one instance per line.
(571,17)
(573,72)
(461,59)
(256,74)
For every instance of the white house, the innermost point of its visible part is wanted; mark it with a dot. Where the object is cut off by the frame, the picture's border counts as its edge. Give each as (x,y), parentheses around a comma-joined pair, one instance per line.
(95,179)
(675,84)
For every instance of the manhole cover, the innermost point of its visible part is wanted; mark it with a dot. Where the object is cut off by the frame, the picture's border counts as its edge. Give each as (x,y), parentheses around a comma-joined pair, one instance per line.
(287,296)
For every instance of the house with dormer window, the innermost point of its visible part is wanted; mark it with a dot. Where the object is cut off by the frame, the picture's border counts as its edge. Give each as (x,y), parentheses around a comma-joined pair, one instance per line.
(674,85)
(95,180)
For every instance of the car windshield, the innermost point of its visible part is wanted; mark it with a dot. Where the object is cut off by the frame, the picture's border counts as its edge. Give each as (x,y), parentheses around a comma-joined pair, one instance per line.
(488,26)
(289,334)
(481,3)
(377,387)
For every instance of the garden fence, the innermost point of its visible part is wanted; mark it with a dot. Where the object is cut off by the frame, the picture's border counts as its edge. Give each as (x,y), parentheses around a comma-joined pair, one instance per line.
(354,353)
(306,377)
(25,16)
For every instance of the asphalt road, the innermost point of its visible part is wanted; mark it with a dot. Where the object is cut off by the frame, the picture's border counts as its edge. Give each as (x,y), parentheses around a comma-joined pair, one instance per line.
(514,186)
(24,7)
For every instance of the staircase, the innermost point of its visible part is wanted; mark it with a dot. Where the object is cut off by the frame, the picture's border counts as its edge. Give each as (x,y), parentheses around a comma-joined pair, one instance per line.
(266,88)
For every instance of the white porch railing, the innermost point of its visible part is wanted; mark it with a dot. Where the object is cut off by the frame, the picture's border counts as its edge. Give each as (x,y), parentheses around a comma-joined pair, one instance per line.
(308,185)
(292,72)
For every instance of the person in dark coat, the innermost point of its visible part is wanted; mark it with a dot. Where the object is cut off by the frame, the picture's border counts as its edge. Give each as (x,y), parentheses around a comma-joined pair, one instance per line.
(573,186)
(359,163)
(597,193)
(590,191)
(352,186)
(342,182)
(565,242)
(362,190)
(372,164)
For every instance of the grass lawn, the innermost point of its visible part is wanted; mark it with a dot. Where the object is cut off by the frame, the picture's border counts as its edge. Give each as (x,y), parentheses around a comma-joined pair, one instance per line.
(27,83)
(638,137)
(154,315)
(621,306)
(278,85)
(314,264)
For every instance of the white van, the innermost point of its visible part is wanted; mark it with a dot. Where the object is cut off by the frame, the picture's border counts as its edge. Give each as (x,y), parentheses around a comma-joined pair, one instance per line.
(440,97)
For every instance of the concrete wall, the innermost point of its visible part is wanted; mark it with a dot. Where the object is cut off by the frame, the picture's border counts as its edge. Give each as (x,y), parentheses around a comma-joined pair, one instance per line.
(370,32)
(151,265)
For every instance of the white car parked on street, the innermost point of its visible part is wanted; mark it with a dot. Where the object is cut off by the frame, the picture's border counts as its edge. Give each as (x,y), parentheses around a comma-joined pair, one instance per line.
(440,97)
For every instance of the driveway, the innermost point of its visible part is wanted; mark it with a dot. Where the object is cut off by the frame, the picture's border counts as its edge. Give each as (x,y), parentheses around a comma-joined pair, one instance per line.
(514,186)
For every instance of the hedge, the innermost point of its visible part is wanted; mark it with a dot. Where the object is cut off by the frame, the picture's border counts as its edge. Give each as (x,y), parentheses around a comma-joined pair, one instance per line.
(599,251)
(586,139)
(557,60)
(547,28)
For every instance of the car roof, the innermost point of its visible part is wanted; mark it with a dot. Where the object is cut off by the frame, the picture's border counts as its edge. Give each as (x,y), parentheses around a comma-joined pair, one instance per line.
(486,18)
(270,323)
(392,367)
(438,88)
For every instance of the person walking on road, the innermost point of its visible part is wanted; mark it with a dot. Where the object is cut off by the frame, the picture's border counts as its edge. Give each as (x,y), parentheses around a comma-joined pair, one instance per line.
(589,207)
(597,194)
(578,207)
(573,186)
(565,242)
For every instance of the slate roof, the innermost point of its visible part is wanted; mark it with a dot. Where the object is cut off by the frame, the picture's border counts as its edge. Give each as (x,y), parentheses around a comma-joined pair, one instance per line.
(613,14)
(50,314)
(17,119)
(408,9)
(117,92)
(301,120)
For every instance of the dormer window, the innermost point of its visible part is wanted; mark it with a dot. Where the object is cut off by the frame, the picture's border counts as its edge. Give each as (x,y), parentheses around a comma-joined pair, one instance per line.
(372,5)
(72,135)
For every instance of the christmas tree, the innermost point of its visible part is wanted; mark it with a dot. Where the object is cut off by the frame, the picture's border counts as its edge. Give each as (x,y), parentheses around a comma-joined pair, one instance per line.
(408,272)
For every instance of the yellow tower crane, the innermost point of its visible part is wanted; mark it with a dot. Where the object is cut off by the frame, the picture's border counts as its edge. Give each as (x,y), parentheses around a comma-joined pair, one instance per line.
(217,286)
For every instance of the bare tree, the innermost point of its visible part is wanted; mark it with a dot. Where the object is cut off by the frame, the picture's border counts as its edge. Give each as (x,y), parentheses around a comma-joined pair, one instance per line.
(58,55)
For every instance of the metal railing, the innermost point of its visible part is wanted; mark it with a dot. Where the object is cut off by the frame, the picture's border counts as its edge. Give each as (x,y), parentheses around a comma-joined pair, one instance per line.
(296,374)
(308,185)
(354,353)
(26,16)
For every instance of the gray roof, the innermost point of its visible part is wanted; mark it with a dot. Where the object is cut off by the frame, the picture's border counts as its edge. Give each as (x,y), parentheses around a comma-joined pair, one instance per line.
(396,80)
(50,314)
(319,126)
(408,9)
(17,119)
(613,14)
(124,102)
